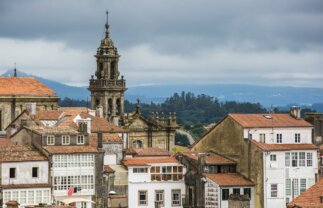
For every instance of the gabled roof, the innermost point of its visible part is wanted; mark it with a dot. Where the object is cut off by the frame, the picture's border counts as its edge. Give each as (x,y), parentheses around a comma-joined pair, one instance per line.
(229,179)
(311,198)
(268,120)
(147,161)
(24,86)
(210,158)
(151,152)
(284,147)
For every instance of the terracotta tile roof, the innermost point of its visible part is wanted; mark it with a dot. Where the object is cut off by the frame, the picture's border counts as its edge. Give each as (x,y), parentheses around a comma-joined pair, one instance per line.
(149,152)
(5,142)
(108,169)
(260,120)
(106,138)
(310,198)
(23,86)
(229,179)
(101,124)
(48,114)
(12,203)
(19,153)
(284,147)
(70,149)
(146,161)
(23,186)
(210,158)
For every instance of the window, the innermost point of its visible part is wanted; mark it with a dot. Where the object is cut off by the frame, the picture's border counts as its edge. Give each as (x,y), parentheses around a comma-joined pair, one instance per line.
(80,139)
(247,191)
(50,140)
(288,187)
(294,159)
(12,172)
(279,138)
(309,159)
(273,158)
(84,182)
(225,194)
(250,136)
(274,190)
(295,187)
(159,197)
(236,191)
(73,160)
(302,187)
(31,197)
(298,138)
(23,198)
(143,198)
(38,197)
(301,162)
(262,138)
(176,197)
(287,159)
(140,170)
(65,140)
(35,172)
(137,144)
(166,173)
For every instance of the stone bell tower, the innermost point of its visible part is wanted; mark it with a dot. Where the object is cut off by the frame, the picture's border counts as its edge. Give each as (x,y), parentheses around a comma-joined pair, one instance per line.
(107,89)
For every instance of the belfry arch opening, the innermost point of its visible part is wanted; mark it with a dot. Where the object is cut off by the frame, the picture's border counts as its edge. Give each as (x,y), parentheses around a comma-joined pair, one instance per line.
(118,106)
(110,106)
(113,70)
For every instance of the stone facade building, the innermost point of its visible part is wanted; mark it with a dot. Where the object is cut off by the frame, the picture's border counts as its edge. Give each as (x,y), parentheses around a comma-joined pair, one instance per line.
(107,94)
(19,93)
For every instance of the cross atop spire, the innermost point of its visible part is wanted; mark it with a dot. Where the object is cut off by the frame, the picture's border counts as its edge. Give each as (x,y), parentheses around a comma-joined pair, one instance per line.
(107,24)
(15,71)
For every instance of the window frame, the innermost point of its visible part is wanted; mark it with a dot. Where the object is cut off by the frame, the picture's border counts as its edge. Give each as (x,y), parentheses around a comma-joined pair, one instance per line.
(14,173)
(50,137)
(273,158)
(274,190)
(162,194)
(146,196)
(32,172)
(77,139)
(179,191)
(66,137)
(247,191)
(225,197)
(309,160)
(297,138)
(279,138)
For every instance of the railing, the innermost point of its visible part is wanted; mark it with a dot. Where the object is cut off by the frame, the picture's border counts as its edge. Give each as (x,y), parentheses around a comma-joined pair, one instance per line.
(104,83)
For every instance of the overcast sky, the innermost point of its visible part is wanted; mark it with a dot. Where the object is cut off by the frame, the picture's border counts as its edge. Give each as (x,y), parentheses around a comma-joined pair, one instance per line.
(168,41)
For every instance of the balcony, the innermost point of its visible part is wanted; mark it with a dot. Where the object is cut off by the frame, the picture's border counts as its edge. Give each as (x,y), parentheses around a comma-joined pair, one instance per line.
(104,84)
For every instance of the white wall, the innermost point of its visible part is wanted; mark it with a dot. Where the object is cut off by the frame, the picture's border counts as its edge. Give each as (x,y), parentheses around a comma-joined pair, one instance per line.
(24,172)
(277,173)
(288,134)
(133,195)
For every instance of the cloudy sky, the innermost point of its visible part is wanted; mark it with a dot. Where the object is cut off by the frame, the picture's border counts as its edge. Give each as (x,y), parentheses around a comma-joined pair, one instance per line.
(168,41)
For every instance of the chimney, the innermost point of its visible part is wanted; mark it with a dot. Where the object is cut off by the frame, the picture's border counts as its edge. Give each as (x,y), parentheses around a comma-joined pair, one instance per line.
(295,111)
(201,162)
(99,111)
(100,145)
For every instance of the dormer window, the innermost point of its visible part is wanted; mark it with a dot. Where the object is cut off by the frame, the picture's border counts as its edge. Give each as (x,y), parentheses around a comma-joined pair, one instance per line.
(50,140)
(80,139)
(65,140)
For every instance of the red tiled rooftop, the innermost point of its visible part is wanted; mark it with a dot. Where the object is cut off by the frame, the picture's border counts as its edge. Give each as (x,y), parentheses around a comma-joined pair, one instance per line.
(229,179)
(146,161)
(108,169)
(260,120)
(150,152)
(70,149)
(210,158)
(19,153)
(23,86)
(48,115)
(284,147)
(106,138)
(310,198)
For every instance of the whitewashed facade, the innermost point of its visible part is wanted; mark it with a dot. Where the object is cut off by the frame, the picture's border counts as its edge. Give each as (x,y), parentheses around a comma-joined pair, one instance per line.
(26,182)
(159,183)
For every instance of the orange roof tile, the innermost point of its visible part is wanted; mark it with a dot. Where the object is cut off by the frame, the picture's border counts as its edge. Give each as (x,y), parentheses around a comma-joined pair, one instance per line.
(101,124)
(310,198)
(48,114)
(284,147)
(23,86)
(210,158)
(106,138)
(70,149)
(229,179)
(108,169)
(19,153)
(260,120)
(150,152)
(146,161)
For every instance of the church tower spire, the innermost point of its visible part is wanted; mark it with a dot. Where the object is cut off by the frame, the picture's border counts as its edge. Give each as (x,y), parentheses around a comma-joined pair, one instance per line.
(107,89)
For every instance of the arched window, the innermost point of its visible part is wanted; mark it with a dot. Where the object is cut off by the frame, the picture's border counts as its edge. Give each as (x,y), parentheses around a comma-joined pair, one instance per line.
(110,105)
(137,144)
(112,70)
(118,106)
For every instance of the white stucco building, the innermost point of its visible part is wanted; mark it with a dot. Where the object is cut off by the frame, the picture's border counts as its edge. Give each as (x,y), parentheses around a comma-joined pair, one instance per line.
(155,181)
(24,174)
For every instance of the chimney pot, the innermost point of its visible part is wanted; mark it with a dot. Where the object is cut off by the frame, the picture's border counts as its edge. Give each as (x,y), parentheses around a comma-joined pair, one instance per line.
(295,111)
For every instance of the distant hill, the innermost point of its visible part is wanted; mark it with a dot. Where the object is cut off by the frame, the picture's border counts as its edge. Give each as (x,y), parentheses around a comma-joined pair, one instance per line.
(267,96)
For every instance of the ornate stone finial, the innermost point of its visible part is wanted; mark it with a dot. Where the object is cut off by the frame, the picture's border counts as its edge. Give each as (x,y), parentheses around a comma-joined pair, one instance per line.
(15,71)
(138,106)
(107,24)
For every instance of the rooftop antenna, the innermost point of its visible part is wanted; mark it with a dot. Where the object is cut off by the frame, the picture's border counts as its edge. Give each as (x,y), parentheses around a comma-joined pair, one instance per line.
(15,71)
